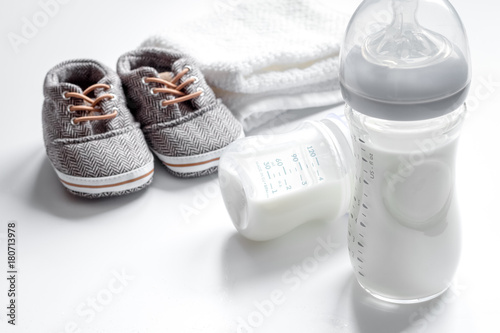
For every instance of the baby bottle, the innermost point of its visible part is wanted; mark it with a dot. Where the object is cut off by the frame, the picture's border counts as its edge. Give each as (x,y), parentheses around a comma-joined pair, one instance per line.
(405,73)
(273,183)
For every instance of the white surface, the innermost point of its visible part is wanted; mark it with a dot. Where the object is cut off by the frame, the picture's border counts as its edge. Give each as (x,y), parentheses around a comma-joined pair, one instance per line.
(191,271)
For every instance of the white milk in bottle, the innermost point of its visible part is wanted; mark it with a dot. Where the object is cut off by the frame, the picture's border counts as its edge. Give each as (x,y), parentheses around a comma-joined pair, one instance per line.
(272,184)
(405,81)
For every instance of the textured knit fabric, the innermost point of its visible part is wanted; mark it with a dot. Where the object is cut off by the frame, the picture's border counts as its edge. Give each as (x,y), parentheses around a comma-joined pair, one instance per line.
(262,57)
(193,127)
(99,148)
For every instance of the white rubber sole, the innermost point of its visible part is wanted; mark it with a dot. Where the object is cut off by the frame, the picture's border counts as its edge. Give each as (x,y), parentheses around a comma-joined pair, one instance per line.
(190,164)
(118,183)
(193,163)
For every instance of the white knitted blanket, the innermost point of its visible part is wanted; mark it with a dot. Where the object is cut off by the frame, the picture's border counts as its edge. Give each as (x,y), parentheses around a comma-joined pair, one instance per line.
(263,57)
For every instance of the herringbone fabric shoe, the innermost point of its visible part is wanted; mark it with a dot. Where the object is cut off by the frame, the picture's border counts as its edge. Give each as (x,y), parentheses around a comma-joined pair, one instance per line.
(93,142)
(183,122)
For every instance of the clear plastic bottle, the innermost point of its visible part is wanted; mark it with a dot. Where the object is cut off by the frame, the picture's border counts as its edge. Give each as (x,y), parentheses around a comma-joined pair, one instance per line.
(273,183)
(405,73)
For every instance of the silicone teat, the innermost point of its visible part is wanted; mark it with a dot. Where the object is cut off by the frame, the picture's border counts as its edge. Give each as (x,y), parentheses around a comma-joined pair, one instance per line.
(405,71)
(404,43)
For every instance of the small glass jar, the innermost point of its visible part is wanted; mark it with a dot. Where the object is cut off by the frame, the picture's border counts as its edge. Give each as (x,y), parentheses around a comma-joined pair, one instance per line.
(273,183)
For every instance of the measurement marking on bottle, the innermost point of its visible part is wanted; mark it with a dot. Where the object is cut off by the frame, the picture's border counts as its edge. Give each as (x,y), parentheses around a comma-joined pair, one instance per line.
(317,161)
(363,149)
(317,171)
(359,259)
(364,206)
(363,214)
(361,274)
(284,170)
(364,180)
(362,224)
(268,175)
(361,140)
(364,159)
(300,165)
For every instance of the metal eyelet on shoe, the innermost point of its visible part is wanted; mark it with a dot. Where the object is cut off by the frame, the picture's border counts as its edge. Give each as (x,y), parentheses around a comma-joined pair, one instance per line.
(114,97)
(195,79)
(202,91)
(68,108)
(189,68)
(64,95)
(72,121)
(152,92)
(161,104)
(110,86)
(143,80)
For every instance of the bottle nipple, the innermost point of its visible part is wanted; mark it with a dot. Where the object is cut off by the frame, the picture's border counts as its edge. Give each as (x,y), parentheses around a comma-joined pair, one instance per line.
(404,43)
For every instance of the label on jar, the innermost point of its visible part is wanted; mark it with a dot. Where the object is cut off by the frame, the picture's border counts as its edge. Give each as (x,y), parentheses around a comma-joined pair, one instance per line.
(290,170)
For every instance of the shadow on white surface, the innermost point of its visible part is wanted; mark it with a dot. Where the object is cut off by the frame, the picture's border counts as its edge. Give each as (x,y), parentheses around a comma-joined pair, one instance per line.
(49,195)
(164,180)
(371,315)
(248,262)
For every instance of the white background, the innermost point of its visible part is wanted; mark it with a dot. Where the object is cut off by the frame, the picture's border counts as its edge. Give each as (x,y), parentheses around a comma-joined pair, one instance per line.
(193,272)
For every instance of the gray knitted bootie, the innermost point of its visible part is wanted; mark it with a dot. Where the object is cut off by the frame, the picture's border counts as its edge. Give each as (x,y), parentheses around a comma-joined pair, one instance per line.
(185,125)
(92,140)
